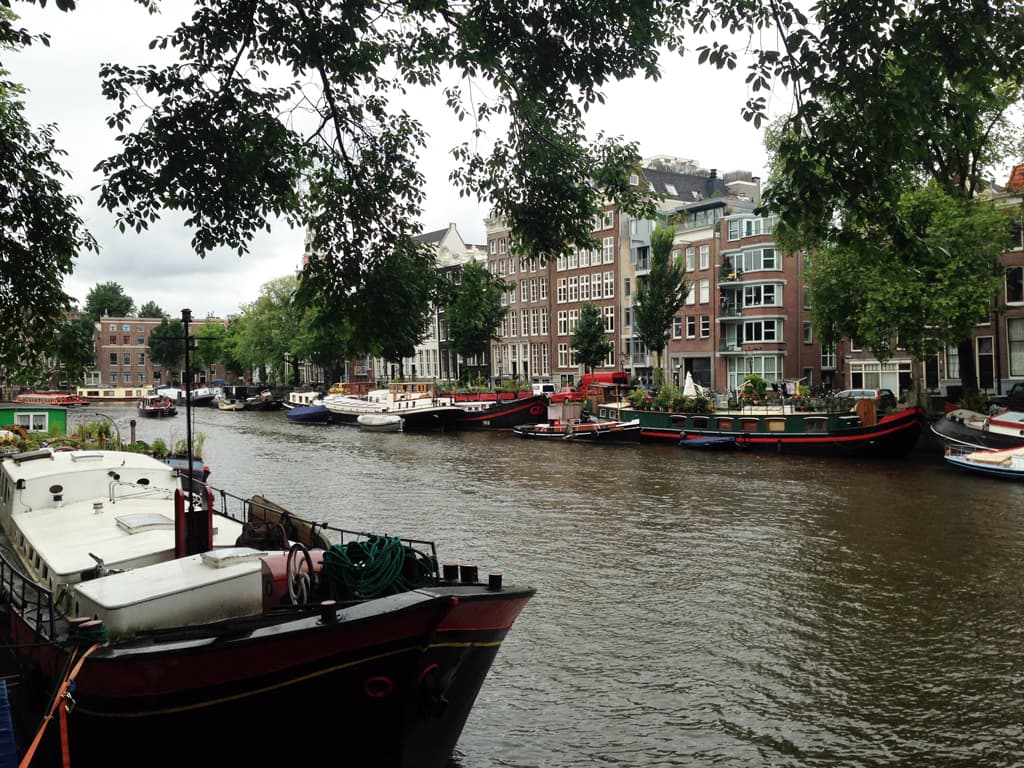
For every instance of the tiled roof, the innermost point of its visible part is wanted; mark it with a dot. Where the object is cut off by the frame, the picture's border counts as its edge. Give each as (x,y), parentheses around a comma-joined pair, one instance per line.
(432,237)
(684,186)
(1016,182)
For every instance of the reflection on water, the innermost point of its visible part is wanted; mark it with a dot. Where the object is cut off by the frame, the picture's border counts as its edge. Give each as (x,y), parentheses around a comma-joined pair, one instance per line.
(693,608)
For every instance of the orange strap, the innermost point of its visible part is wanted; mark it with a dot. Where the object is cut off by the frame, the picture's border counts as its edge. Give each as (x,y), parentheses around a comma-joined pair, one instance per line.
(57,701)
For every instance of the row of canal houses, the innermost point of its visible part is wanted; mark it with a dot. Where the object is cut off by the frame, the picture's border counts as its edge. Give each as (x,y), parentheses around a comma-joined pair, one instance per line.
(747,311)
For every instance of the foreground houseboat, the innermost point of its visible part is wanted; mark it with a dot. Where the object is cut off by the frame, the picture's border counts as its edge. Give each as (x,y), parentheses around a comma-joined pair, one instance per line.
(241,635)
(785,429)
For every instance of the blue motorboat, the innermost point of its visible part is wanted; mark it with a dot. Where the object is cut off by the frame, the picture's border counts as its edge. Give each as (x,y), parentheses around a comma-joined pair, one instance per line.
(310,414)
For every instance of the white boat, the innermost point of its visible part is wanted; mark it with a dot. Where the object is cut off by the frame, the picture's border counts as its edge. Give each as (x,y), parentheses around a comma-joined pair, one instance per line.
(302,398)
(414,401)
(981,431)
(379,422)
(230,404)
(180,626)
(1008,463)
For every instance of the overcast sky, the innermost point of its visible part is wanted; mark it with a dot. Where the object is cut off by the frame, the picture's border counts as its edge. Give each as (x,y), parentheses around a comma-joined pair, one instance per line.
(693,112)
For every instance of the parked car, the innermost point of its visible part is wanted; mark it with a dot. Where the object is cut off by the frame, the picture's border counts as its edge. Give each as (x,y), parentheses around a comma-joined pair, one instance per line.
(884,399)
(1013,399)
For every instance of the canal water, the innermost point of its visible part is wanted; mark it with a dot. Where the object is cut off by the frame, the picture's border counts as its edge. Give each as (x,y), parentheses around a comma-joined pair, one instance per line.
(693,609)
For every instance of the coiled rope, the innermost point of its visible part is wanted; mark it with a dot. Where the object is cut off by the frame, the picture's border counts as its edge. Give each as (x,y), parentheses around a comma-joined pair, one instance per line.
(376,566)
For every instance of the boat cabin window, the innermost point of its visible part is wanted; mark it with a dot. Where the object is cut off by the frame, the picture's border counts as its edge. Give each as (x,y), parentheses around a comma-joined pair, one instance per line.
(723,423)
(816,424)
(749,425)
(776,425)
(701,422)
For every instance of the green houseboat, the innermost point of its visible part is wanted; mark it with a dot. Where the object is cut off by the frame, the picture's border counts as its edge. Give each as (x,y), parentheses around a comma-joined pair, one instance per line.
(44,419)
(860,431)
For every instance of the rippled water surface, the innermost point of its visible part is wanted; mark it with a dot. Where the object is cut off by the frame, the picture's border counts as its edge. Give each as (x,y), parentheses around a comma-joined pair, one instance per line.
(698,609)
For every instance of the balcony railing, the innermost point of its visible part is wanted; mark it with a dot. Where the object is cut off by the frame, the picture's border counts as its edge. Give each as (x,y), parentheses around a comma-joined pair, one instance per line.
(727,274)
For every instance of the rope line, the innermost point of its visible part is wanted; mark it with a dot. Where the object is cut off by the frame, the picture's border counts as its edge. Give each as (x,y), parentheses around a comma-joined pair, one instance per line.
(377,566)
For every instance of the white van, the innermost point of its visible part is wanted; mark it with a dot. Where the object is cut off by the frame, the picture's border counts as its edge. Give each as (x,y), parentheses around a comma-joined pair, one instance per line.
(545,388)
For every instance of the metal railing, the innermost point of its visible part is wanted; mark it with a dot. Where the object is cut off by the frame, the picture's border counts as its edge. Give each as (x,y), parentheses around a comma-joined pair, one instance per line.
(33,603)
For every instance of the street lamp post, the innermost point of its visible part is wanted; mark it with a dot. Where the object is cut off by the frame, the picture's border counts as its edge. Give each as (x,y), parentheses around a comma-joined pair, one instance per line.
(192,528)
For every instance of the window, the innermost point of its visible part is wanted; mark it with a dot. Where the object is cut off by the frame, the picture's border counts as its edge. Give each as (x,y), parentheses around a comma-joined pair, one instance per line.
(126,328)
(705,290)
(113,339)
(1015,341)
(691,296)
(573,260)
(595,286)
(584,287)
(760,330)
(141,358)
(756,295)
(627,317)
(1015,285)
(608,250)
(607,220)
(501,245)
(634,180)
(705,256)
(584,257)
(574,316)
(126,339)
(574,289)
(952,363)
(562,293)
(691,326)
(494,246)
(563,355)
(141,341)
(677,327)
(609,285)
(142,379)
(524,290)
(691,257)
(544,326)
(533,289)
(543,288)
(626,288)
(113,358)
(534,324)
(705,326)
(828,358)
(512,326)
(524,319)
(609,318)
(757,259)
(808,334)
(986,362)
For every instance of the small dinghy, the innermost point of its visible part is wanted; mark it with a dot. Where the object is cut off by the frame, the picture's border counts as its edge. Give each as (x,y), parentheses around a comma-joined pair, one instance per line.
(379,422)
